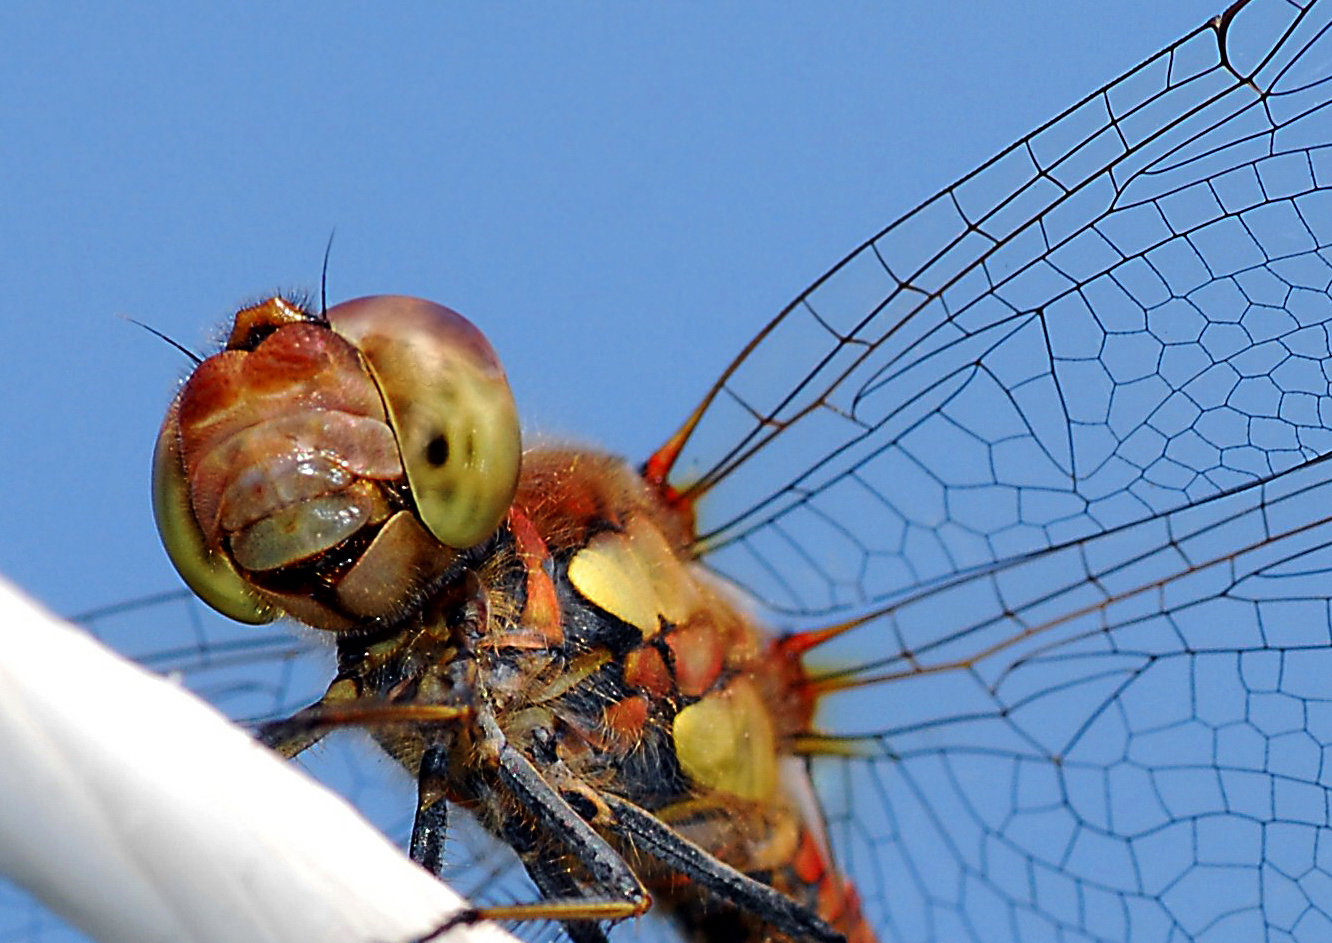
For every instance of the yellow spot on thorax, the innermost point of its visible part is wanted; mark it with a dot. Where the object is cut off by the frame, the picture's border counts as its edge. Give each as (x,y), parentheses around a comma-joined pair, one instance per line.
(725,742)
(635,576)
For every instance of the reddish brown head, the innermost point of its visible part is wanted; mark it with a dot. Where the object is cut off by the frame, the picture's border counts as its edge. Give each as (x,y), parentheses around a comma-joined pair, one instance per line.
(331,467)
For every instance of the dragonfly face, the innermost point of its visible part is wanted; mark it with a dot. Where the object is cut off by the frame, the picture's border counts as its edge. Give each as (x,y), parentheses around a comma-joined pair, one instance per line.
(302,436)
(1070,480)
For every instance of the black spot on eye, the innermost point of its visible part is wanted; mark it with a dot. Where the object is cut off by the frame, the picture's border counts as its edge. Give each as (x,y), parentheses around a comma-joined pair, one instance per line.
(437,451)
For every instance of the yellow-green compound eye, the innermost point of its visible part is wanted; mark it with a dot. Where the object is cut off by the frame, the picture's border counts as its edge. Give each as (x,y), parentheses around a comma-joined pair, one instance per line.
(209,573)
(450,407)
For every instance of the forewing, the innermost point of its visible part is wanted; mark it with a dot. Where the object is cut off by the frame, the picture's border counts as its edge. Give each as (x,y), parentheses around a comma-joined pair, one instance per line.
(1120,315)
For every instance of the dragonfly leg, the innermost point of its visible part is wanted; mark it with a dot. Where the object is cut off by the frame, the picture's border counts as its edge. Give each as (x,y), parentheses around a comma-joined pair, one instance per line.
(555,816)
(556,883)
(295,734)
(518,781)
(430,828)
(657,839)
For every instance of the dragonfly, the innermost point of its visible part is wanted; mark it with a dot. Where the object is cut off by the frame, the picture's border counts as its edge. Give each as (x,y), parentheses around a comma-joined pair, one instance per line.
(1051,448)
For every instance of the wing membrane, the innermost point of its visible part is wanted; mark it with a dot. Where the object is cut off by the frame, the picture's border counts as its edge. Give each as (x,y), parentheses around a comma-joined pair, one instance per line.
(1120,315)
(1121,738)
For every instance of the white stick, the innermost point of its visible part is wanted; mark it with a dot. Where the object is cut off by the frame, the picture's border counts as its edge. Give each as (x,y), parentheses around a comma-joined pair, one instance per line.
(140,814)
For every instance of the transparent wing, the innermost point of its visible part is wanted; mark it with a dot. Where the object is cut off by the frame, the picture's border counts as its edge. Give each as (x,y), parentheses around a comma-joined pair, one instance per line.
(1053,449)
(1123,738)
(1121,314)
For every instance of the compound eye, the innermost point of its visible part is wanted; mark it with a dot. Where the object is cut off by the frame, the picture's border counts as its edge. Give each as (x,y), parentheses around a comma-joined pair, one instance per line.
(450,407)
(206,570)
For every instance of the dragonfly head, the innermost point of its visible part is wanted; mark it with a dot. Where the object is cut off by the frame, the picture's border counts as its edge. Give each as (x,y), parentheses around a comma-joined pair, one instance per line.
(332,467)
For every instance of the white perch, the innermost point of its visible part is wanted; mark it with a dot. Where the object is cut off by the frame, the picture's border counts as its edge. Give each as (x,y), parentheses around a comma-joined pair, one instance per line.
(140,814)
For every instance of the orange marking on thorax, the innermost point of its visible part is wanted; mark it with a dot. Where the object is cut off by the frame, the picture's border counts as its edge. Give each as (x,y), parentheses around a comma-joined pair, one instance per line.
(541,619)
(626,718)
(698,658)
(645,669)
(657,469)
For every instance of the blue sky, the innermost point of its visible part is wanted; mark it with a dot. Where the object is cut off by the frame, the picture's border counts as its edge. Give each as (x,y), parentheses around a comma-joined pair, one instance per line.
(617,199)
